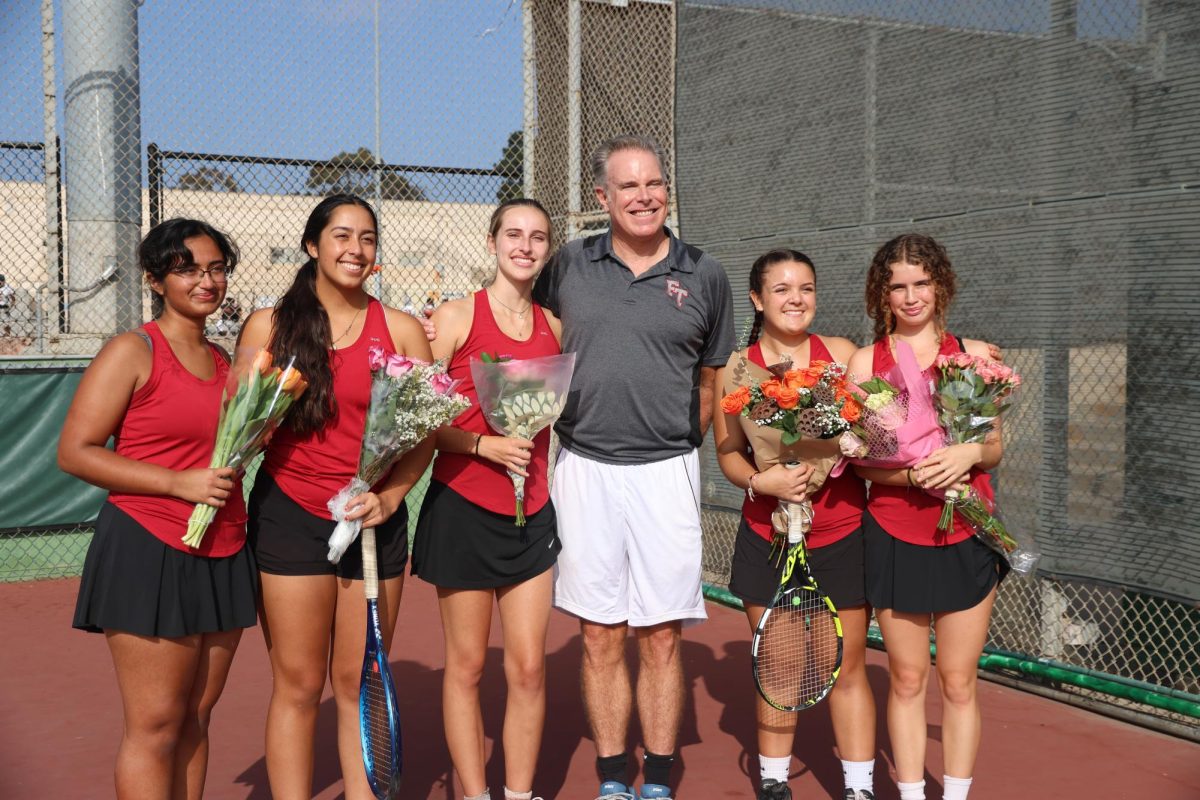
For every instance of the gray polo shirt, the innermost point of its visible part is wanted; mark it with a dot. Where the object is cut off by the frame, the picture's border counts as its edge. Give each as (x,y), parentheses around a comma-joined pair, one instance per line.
(639,344)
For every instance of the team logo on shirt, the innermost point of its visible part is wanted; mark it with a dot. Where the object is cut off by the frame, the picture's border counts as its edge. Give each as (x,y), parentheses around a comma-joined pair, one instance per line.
(675,290)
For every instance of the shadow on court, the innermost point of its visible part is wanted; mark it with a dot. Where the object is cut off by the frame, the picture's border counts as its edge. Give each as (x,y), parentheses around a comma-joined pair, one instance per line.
(59,705)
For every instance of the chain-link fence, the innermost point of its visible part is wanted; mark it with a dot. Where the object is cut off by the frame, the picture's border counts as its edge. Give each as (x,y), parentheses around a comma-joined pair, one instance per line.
(1049,143)
(1046,144)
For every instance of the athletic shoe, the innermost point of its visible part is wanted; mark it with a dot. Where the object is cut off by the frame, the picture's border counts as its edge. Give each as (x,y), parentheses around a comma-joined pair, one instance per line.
(654,790)
(772,789)
(858,794)
(612,790)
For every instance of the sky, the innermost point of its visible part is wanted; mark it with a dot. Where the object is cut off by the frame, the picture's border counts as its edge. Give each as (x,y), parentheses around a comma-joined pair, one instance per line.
(295,78)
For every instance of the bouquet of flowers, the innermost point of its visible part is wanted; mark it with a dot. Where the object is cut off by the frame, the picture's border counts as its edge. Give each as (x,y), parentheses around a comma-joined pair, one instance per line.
(521,397)
(884,410)
(971,393)
(410,399)
(254,404)
(903,422)
(810,403)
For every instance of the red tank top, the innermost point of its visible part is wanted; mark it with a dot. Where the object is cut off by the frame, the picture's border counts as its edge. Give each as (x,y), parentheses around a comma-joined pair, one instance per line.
(908,513)
(312,468)
(837,506)
(484,483)
(151,432)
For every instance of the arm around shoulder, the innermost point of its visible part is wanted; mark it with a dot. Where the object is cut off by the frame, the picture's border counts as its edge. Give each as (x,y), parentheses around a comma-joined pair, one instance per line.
(841,348)
(861,364)
(408,335)
(256,331)
(452,321)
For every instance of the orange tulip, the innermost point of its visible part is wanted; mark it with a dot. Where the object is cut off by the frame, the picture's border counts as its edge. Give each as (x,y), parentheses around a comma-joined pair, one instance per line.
(291,378)
(262,361)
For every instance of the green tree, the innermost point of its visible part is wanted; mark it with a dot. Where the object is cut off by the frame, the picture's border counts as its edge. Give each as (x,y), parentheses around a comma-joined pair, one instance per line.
(353,173)
(208,179)
(511,167)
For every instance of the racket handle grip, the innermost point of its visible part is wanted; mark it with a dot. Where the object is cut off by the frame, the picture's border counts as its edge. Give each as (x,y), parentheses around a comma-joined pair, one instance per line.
(369,565)
(799,515)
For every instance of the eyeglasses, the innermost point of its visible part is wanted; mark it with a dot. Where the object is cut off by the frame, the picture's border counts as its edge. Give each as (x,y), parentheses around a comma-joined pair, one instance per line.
(194,274)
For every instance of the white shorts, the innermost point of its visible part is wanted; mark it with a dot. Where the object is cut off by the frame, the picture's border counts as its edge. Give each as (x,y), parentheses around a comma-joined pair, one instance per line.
(631,540)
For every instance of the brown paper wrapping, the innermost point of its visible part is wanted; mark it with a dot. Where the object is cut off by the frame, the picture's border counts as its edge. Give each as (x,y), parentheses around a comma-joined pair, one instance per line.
(766,442)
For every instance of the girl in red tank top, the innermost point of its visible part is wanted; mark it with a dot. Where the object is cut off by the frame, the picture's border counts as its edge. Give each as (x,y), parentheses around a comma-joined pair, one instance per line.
(172,615)
(916,577)
(466,542)
(783,291)
(328,322)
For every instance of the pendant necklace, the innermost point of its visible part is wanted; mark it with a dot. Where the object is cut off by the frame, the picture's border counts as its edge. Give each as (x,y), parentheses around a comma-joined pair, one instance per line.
(348,327)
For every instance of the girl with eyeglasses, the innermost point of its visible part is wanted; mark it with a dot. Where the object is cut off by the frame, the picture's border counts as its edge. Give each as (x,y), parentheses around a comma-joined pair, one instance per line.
(172,615)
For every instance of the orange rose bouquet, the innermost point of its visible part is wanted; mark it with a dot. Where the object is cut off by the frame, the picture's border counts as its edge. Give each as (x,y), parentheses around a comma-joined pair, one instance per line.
(793,404)
(810,403)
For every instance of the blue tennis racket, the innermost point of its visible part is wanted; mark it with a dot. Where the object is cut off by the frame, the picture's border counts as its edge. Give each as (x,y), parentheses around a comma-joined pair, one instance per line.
(378,713)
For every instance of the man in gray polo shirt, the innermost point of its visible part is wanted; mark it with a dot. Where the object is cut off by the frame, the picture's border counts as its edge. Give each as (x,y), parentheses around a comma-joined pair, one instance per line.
(649,319)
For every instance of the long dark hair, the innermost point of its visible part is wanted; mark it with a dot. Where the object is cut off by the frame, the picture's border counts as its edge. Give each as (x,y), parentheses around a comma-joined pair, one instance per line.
(301,326)
(164,250)
(913,248)
(759,269)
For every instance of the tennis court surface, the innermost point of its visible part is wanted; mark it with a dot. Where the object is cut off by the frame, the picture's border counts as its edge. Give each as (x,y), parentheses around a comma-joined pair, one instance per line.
(60,721)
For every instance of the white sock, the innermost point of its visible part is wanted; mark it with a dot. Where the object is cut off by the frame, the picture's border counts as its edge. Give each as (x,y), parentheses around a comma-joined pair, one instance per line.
(509,794)
(775,769)
(911,791)
(486,795)
(955,788)
(859,774)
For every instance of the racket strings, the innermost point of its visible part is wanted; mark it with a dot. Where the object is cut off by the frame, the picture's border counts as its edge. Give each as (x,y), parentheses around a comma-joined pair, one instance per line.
(798,654)
(380,737)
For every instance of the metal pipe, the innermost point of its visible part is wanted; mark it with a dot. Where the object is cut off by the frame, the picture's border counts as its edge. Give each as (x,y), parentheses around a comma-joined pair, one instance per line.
(529,132)
(50,169)
(378,165)
(102,125)
(574,114)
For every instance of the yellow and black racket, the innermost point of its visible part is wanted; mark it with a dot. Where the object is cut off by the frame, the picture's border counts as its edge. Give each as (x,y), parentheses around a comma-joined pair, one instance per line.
(797,646)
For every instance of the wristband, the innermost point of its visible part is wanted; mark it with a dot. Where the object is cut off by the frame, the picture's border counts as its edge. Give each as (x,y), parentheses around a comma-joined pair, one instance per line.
(478,439)
(909,475)
(750,487)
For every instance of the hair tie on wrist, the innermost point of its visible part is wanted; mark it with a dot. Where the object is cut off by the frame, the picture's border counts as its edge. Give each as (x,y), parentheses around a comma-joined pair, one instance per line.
(478,439)
(750,486)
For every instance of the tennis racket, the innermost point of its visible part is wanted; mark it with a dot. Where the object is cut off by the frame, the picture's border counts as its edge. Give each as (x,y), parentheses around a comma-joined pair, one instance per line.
(378,713)
(797,646)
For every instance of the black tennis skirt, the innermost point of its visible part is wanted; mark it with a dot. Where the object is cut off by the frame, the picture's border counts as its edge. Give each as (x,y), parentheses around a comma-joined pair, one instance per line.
(288,540)
(837,568)
(459,545)
(920,579)
(134,583)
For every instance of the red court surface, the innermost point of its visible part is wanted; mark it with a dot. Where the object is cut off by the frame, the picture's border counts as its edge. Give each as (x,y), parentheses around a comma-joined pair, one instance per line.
(60,721)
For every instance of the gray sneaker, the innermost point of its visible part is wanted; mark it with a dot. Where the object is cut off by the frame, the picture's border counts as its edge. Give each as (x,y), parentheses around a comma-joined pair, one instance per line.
(612,790)
(858,794)
(774,790)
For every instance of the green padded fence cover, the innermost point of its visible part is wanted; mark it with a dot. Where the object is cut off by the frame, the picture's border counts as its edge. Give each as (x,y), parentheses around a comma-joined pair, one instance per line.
(34,492)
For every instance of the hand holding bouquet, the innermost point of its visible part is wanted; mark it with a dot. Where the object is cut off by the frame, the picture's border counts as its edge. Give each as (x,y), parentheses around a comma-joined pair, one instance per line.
(810,403)
(410,399)
(970,394)
(521,397)
(255,403)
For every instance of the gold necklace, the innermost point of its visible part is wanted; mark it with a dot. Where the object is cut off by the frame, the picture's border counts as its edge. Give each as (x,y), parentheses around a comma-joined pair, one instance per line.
(520,314)
(348,327)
